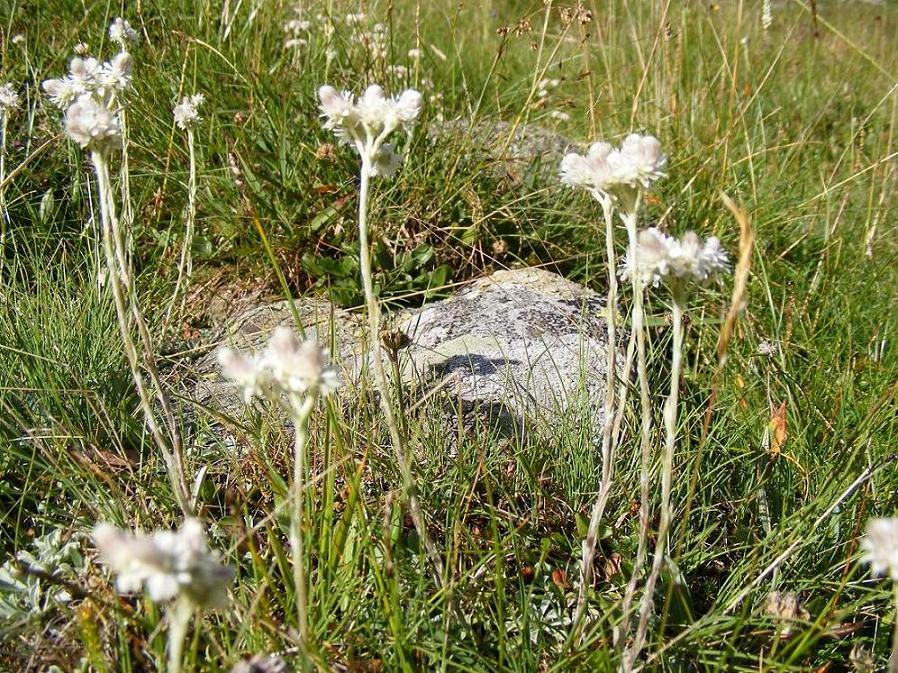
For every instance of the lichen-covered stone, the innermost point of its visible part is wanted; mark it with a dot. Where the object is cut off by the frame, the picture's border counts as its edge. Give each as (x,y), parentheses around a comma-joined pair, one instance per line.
(516,352)
(522,348)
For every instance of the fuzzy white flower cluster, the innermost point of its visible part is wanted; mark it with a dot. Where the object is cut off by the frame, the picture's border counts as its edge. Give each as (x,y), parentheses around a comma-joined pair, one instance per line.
(187,113)
(605,170)
(367,122)
(880,547)
(121,32)
(89,97)
(286,366)
(659,257)
(165,563)
(9,99)
(298,29)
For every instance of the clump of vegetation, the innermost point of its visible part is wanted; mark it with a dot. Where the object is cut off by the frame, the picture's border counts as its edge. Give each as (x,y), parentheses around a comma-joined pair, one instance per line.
(749,437)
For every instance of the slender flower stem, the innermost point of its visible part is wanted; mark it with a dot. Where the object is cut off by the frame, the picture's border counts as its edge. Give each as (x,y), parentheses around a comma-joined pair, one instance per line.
(638,324)
(893,658)
(4,213)
(121,293)
(185,264)
(589,544)
(302,410)
(670,431)
(125,245)
(380,377)
(179,616)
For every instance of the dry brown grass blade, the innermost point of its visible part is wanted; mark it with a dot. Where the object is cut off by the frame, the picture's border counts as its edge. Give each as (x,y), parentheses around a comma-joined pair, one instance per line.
(737,302)
(737,305)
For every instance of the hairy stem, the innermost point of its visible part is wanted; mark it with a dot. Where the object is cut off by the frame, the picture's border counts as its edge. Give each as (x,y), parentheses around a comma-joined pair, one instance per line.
(301,413)
(179,615)
(380,378)
(638,324)
(185,264)
(589,544)
(4,213)
(670,433)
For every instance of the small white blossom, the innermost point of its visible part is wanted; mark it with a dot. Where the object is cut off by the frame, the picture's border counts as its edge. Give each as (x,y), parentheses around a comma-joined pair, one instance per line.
(640,161)
(9,99)
(62,92)
(296,43)
(287,365)
(81,49)
(355,19)
(246,372)
(661,257)
(92,125)
(186,113)
(368,121)
(296,366)
(594,170)
(121,32)
(560,115)
(651,260)
(415,54)
(18,38)
(880,547)
(697,260)
(115,76)
(768,348)
(166,564)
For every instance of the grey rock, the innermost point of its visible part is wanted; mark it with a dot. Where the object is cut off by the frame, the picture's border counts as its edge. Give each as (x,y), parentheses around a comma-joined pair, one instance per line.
(517,351)
(521,349)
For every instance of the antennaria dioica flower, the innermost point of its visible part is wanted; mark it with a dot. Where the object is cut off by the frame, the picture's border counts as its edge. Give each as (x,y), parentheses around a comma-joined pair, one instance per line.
(678,264)
(295,374)
(175,568)
(616,178)
(365,124)
(186,116)
(90,97)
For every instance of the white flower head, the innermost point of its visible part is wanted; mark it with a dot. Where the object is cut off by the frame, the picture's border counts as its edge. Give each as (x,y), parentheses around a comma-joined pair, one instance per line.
(85,72)
(166,564)
(368,121)
(62,92)
(296,366)
(115,76)
(287,365)
(81,49)
(121,32)
(650,262)
(415,54)
(659,257)
(9,99)
(386,161)
(593,171)
(880,547)
(246,372)
(186,113)
(640,161)
(560,115)
(93,125)
(697,260)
